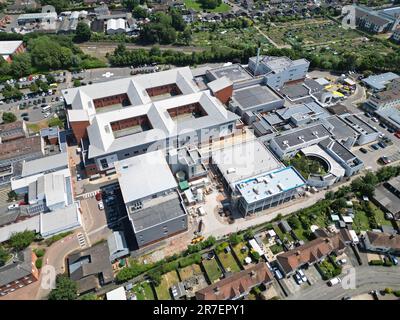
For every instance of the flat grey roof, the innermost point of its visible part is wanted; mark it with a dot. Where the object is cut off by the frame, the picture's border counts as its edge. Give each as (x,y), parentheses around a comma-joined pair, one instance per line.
(339,149)
(295,91)
(45,164)
(378,82)
(339,128)
(359,124)
(244,160)
(312,109)
(273,119)
(234,72)
(292,138)
(387,199)
(254,96)
(166,208)
(19,268)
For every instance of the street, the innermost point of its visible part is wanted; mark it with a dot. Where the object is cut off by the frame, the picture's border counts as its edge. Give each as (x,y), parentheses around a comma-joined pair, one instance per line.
(367,278)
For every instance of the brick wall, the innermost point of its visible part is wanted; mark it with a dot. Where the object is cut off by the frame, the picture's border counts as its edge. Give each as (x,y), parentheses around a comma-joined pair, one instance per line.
(79,129)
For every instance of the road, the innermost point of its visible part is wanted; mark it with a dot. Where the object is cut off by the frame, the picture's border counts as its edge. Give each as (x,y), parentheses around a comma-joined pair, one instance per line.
(367,278)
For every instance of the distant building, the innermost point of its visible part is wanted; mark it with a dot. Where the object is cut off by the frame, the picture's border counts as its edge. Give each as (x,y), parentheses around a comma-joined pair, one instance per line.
(377,21)
(381,81)
(47,16)
(279,70)
(237,285)
(19,273)
(396,35)
(387,197)
(10,48)
(91,268)
(115,26)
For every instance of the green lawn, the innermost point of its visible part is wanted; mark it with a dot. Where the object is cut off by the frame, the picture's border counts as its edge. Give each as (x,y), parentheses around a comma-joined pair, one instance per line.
(212,269)
(192,4)
(143,291)
(228,261)
(380,216)
(360,221)
(167,281)
(276,248)
(282,235)
(241,255)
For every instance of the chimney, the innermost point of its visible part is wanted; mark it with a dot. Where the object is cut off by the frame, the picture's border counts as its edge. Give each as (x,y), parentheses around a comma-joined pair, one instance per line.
(297,252)
(253,274)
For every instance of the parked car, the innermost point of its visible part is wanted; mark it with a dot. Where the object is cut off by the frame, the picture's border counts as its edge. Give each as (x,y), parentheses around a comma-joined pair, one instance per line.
(302,275)
(391,130)
(394,260)
(363,150)
(374,119)
(78,177)
(368,115)
(341,262)
(382,144)
(397,134)
(375,146)
(384,126)
(334,281)
(278,274)
(13,206)
(384,160)
(101,205)
(25,114)
(298,279)
(25,119)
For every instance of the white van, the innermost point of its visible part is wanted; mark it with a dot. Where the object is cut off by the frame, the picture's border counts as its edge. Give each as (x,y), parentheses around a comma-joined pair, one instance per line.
(334,281)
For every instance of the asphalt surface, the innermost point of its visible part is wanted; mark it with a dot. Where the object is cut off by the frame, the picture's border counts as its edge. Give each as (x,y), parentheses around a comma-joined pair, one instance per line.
(367,278)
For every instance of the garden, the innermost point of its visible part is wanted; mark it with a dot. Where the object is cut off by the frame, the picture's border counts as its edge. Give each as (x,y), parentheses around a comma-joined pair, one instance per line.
(212,269)
(329,269)
(228,261)
(167,281)
(190,271)
(241,251)
(143,291)
(197,5)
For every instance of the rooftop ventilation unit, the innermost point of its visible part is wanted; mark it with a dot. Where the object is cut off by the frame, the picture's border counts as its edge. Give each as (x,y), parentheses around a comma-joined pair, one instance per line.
(231,170)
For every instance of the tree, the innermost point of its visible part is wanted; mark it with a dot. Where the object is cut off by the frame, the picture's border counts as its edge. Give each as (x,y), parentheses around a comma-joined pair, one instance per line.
(234,239)
(294,222)
(21,240)
(130,4)
(210,4)
(9,117)
(186,36)
(21,65)
(56,122)
(4,256)
(177,20)
(82,32)
(155,277)
(66,289)
(139,12)
(77,83)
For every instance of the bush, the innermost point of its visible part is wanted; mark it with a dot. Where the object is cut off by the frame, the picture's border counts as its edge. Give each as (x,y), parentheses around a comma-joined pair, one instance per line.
(221,247)
(396,293)
(234,239)
(57,237)
(66,289)
(9,117)
(388,290)
(21,240)
(39,263)
(376,262)
(39,252)
(12,196)
(132,271)
(187,261)
(388,263)
(254,255)
(155,277)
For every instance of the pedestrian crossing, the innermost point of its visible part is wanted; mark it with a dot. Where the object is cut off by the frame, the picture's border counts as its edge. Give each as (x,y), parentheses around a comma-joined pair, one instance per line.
(81,240)
(89,195)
